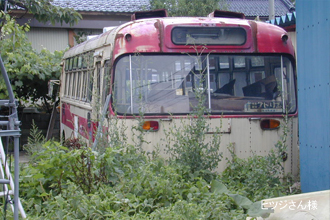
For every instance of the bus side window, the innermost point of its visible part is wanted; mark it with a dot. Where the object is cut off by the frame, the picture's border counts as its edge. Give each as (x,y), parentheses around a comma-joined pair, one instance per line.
(67,62)
(78,94)
(67,83)
(83,85)
(98,79)
(90,85)
(106,80)
(70,63)
(73,88)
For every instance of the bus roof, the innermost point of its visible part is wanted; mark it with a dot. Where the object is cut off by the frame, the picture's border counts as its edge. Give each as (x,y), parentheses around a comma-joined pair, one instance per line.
(154,35)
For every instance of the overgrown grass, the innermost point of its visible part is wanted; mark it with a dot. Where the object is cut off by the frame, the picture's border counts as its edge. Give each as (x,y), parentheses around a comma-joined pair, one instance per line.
(122,182)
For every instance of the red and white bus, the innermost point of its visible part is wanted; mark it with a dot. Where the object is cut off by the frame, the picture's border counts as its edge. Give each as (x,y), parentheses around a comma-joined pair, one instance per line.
(153,64)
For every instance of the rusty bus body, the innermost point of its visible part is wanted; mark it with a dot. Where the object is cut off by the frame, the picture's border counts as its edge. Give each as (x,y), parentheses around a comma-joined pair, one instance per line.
(154,65)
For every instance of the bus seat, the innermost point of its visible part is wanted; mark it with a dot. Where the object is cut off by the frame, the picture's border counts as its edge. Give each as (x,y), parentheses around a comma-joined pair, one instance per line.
(227,88)
(266,88)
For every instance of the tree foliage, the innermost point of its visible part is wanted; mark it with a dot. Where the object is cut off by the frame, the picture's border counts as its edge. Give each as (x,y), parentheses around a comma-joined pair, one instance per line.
(44,11)
(183,8)
(28,71)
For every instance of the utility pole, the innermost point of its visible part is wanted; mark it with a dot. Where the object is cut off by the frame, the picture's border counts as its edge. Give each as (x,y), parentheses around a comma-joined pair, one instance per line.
(271,10)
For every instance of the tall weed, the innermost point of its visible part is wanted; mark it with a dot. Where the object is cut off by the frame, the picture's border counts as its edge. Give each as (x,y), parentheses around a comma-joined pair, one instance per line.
(190,144)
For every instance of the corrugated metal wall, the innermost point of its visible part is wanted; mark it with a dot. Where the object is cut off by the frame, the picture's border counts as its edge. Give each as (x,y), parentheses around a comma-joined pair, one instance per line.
(313,44)
(50,38)
(55,38)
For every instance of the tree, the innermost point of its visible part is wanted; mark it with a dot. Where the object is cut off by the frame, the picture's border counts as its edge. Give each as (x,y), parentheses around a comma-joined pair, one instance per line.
(182,8)
(43,10)
(28,70)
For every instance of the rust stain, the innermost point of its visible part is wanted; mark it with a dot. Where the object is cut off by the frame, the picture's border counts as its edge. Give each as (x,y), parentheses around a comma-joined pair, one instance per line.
(159,28)
(120,41)
(119,36)
(254,29)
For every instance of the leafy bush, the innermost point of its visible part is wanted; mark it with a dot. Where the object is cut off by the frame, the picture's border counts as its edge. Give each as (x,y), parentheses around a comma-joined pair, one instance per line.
(256,177)
(260,177)
(123,183)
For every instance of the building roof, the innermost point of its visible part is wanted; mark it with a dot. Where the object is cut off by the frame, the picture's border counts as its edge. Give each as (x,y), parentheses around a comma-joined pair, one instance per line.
(104,5)
(253,8)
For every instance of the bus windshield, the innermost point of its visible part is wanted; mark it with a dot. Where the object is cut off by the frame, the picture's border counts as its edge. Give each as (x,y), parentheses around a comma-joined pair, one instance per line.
(228,84)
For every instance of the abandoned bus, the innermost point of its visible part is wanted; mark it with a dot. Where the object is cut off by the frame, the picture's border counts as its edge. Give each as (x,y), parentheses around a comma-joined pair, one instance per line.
(152,66)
